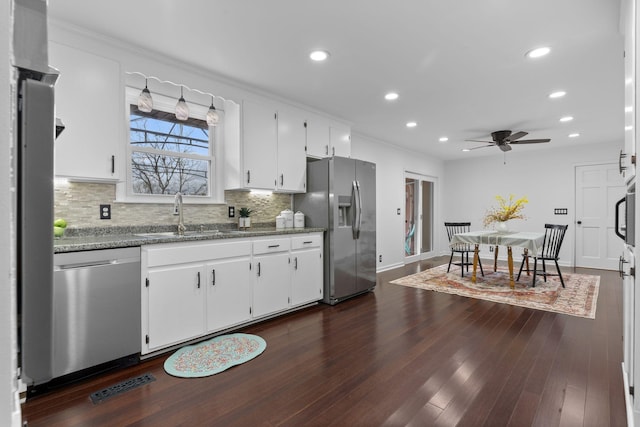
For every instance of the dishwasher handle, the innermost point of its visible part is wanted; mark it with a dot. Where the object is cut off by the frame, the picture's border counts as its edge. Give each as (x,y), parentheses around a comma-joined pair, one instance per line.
(96,263)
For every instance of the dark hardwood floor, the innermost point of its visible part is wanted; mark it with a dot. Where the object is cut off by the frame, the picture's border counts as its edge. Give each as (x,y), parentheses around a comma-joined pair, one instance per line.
(394,357)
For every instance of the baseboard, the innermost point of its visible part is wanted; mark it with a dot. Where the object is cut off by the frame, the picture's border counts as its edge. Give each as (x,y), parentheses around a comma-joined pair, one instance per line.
(390,267)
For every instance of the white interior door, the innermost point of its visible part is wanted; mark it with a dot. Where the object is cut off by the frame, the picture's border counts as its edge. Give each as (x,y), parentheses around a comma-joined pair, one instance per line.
(598,187)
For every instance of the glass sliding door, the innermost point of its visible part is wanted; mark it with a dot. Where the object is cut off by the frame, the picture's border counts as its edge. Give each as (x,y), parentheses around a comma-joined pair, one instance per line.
(419,216)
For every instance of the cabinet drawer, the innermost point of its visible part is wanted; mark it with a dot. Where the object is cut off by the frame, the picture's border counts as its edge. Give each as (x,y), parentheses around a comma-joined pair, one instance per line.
(190,252)
(271,246)
(306,241)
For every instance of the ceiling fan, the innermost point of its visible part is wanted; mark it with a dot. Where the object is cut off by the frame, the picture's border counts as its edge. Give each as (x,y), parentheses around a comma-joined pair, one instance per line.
(503,139)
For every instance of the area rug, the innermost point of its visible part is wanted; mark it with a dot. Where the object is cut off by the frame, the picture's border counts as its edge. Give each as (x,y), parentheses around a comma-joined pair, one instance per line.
(579,298)
(214,356)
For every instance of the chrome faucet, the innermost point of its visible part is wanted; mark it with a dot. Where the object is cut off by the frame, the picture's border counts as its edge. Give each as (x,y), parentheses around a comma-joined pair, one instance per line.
(177,205)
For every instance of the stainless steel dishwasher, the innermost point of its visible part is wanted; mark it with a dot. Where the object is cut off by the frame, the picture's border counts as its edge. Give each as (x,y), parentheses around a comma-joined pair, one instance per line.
(96,308)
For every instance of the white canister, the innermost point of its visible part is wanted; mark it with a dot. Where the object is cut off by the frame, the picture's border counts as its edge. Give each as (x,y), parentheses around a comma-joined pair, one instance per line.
(288,218)
(298,220)
(280,222)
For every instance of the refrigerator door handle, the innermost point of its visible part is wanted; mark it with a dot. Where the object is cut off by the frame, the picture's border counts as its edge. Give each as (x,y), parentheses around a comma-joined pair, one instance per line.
(358,213)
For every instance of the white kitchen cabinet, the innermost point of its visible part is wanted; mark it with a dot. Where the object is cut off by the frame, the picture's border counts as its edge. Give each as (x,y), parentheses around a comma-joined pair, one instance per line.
(327,139)
(292,165)
(270,155)
(228,292)
(175,305)
(259,151)
(340,136)
(89,101)
(307,271)
(272,276)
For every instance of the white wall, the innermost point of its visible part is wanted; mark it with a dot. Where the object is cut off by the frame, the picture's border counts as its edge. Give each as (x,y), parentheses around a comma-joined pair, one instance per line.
(546,177)
(391,164)
(9,403)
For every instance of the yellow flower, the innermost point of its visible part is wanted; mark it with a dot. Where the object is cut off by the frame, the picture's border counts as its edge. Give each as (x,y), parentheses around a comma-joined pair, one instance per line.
(507,209)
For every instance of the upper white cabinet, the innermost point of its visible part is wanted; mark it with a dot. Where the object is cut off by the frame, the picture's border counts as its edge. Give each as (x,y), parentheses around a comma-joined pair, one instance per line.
(327,139)
(292,165)
(89,100)
(270,153)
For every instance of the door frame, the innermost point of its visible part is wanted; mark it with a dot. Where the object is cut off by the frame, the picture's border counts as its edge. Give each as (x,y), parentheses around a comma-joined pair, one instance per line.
(418,232)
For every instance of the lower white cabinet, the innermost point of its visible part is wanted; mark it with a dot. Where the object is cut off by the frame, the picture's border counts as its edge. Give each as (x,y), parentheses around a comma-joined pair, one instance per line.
(176,305)
(306,264)
(228,293)
(192,289)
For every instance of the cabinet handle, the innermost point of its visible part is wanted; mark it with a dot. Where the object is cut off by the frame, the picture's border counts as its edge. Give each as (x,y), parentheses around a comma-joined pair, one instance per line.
(295,263)
(198,280)
(326,150)
(273,246)
(213,274)
(248,176)
(281,179)
(113,164)
(308,242)
(333,150)
(258,269)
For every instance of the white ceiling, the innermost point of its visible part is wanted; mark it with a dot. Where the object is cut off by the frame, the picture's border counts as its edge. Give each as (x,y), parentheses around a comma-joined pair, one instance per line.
(458,66)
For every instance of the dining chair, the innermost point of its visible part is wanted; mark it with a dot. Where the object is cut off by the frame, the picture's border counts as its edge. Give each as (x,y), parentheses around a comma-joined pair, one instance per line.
(462,248)
(553,236)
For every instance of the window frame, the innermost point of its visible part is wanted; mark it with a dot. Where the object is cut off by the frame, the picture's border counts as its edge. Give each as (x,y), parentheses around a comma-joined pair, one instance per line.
(124,190)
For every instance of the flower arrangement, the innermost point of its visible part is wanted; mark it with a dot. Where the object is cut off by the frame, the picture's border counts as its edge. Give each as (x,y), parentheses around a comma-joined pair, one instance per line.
(507,209)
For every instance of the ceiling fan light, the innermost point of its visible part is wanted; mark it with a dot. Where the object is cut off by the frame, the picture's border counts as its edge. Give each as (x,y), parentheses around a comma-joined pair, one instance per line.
(213,118)
(145,101)
(182,109)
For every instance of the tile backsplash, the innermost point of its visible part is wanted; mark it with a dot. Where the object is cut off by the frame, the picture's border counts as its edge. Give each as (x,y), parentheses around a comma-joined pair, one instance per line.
(79,204)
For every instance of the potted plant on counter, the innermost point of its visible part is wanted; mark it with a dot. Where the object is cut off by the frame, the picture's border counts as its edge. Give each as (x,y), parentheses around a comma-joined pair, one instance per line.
(244,221)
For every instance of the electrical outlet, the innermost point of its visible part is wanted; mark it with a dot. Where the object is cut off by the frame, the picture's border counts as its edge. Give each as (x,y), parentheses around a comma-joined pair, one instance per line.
(232,211)
(105,211)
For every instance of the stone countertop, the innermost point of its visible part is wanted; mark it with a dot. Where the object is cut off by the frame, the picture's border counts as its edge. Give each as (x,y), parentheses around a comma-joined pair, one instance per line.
(84,242)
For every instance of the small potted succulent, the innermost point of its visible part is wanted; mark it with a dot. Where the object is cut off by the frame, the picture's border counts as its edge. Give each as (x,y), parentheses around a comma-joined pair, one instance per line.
(244,221)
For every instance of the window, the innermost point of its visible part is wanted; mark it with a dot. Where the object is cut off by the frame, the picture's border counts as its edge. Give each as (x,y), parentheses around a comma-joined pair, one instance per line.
(165,155)
(168,155)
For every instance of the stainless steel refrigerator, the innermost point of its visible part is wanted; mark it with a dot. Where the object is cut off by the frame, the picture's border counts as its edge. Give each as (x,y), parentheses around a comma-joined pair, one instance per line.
(341,197)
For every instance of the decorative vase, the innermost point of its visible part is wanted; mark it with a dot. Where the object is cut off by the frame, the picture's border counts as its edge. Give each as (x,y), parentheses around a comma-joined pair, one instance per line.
(244,222)
(502,227)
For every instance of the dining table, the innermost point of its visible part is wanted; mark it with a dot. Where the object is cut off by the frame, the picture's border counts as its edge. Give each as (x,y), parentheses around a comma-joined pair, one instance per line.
(530,241)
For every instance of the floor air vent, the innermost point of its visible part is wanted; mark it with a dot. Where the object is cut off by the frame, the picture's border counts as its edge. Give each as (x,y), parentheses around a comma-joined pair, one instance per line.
(121,387)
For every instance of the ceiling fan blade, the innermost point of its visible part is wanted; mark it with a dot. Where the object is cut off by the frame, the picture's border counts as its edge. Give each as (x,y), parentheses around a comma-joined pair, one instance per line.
(515,136)
(504,147)
(479,140)
(530,141)
(482,146)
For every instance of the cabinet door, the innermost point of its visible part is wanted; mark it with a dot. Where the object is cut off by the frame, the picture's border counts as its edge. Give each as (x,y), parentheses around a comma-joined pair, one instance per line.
(176,305)
(228,293)
(259,146)
(292,162)
(272,282)
(340,140)
(90,140)
(318,142)
(306,276)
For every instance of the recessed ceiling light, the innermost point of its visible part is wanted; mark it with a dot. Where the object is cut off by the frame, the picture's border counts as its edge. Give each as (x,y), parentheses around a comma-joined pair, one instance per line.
(566,119)
(628,127)
(443,139)
(558,94)
(628,109)
(391,96)
(574,135)
(411,124)
(319,55)
(538,52)
(466,149)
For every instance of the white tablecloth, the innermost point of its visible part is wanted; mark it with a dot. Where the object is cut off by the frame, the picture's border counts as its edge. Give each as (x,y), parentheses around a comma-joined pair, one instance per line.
(523,239)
